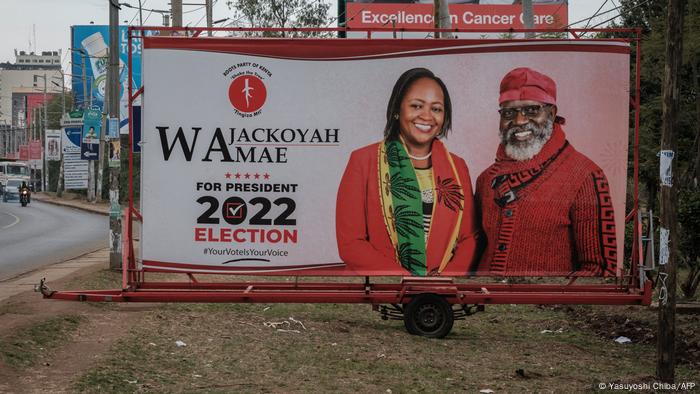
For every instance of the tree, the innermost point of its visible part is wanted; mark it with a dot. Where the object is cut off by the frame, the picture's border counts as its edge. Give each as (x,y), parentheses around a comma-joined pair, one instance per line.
(650,16)
(280,14)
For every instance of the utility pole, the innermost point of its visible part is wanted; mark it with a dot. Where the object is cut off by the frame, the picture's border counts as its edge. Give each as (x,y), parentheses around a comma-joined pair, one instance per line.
(59,184)
(442,18)
(83,55)
(668,252)
(528,18)
(210,16)
(115,217)
(176,12)
(44,168)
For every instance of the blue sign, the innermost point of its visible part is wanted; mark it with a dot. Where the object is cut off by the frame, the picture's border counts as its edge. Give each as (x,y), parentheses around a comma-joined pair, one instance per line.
(90,143)
(73,137)
(93,42)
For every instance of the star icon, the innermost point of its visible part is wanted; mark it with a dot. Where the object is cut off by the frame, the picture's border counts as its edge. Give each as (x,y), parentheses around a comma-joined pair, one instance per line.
(247,176)
(266,176)
(238,175)
(228,175)
(257,176)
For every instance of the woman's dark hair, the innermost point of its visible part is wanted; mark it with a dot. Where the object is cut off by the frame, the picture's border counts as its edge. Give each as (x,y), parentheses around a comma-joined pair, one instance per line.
(391,130)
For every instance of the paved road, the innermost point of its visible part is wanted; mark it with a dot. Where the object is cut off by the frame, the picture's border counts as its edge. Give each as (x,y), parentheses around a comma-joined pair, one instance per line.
(43,234)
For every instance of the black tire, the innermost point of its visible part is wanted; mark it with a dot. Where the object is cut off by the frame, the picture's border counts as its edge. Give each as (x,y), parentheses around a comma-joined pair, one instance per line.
(428,315)
(410,328)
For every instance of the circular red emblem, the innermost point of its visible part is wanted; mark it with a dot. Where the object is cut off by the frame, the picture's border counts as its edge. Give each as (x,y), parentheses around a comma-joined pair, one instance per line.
(247,93)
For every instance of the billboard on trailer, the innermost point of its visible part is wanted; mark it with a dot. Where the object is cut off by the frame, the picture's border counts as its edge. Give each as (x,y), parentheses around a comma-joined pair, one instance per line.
(384,157)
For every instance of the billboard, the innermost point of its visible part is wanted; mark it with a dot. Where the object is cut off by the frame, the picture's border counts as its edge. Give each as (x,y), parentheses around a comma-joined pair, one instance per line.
(52,145)
(24,152)
(90,140)
(75,169)
(485,14)
(94,41)
(35,153)
(280,162)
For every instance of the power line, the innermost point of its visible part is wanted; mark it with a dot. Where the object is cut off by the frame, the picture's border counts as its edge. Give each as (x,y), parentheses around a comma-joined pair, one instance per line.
(620,14)
(596,13)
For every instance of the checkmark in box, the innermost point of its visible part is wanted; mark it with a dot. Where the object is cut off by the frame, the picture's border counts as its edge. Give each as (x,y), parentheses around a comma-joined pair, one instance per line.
(234,210)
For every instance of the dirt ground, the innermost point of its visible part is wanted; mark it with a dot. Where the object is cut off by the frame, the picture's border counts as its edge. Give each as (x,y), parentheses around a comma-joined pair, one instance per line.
(60,347)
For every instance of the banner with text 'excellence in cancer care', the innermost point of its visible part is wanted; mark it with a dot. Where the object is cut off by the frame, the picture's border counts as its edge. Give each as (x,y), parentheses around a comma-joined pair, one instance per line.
(268,157)
(474,14)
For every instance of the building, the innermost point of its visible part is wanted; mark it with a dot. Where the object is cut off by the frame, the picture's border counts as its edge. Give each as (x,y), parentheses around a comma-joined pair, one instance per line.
(47,58)
(28,72)
(22,85)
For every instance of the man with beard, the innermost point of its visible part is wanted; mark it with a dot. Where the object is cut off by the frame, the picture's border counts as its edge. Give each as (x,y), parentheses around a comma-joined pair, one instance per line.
(545,207)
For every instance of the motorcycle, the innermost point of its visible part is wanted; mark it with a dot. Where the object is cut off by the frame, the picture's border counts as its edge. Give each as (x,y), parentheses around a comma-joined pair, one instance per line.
(24,197)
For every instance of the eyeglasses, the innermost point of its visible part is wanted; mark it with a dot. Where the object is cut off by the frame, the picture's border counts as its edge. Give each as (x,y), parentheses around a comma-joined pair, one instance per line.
(530,111)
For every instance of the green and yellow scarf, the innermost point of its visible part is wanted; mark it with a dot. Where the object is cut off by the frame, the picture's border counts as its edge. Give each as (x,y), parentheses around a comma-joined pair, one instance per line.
(402,207)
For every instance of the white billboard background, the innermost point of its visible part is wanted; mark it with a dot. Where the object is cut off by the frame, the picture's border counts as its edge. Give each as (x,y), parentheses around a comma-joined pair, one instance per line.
(75,170)
(53,145)
(187,88)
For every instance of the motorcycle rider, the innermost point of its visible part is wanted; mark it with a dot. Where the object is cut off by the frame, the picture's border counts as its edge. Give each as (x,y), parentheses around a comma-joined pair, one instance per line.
(23,188)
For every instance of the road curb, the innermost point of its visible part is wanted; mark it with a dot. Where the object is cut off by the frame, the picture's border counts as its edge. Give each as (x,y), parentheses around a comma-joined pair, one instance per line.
(82,205)
(52,273)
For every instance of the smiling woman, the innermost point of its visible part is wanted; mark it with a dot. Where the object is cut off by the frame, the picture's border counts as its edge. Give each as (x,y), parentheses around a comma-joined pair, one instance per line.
(404,204)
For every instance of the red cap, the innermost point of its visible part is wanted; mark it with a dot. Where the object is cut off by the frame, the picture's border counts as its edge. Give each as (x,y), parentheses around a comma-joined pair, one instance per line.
(527,84)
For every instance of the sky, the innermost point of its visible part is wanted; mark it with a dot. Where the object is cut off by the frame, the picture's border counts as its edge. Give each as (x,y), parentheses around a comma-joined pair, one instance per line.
(50,20)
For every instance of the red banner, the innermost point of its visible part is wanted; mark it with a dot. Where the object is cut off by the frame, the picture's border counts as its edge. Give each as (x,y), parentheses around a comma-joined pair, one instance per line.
(462,16)
(24,152)
(35,150)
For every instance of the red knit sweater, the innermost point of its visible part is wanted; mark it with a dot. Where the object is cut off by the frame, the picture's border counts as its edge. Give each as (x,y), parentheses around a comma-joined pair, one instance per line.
(548,216)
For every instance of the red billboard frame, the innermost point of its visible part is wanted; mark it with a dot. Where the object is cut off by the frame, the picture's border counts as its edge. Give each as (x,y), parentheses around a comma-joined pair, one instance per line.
(631,288)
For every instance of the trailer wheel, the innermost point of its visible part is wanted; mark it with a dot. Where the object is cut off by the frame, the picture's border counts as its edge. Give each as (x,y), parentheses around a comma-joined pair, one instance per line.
(428,315)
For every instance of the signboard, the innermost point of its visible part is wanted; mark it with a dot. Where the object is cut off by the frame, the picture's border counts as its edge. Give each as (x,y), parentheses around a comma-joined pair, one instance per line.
(114,153)
(94,41)
(75,170)
(284,168)
(24,152)
(465,15)
(90,143)
(35,153)
(53,145)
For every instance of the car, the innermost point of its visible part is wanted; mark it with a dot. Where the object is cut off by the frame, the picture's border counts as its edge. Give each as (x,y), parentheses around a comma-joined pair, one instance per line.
(11,190)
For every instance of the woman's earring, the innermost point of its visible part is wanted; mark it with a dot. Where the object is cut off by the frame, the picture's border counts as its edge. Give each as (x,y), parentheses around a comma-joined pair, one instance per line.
(396,116)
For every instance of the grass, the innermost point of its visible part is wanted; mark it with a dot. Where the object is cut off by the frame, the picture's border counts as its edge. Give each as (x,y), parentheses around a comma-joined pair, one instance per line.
(25,348)
(347,349)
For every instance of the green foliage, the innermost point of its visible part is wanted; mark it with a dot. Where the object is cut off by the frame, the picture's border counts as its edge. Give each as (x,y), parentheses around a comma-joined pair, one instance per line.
(650,16)
(689,220)
(281,14)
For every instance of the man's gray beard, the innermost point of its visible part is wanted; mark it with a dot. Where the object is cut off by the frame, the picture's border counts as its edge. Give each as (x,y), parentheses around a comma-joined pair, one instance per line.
(527,152)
